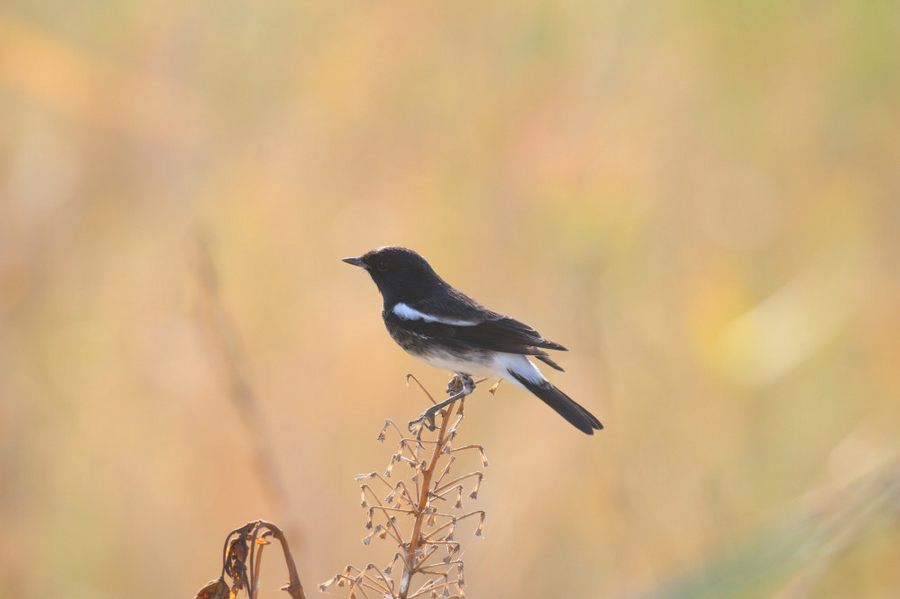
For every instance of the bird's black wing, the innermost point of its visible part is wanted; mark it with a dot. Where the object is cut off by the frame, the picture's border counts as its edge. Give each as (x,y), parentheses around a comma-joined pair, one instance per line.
(458,319)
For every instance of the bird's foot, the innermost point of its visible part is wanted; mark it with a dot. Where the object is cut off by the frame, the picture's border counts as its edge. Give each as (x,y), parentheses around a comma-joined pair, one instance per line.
(459,386)
(495,386)
(461,383)
(454,385)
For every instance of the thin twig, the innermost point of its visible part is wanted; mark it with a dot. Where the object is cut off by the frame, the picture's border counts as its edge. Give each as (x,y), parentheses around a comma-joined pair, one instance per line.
(416,537)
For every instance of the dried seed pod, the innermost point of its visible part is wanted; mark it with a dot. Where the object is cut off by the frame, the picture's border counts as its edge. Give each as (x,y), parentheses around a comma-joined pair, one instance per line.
(474,493)
(368,538)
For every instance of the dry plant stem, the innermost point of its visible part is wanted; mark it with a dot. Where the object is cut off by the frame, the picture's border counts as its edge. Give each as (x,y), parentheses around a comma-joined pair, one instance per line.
(411,377)
(293,588)
(423,503)
(410,566)
(242,562)
(224,334)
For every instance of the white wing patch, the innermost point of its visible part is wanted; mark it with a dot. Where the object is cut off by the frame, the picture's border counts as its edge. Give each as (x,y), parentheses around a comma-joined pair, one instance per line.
(407,313)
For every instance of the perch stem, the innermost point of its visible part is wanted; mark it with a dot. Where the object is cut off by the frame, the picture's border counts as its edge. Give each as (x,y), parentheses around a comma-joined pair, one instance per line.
(417,538)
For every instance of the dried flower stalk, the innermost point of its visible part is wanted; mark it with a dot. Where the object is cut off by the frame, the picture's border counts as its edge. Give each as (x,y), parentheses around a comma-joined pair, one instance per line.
(419,514)
(242,560)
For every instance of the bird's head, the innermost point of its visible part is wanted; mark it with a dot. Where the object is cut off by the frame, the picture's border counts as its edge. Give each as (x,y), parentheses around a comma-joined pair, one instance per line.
(397,271)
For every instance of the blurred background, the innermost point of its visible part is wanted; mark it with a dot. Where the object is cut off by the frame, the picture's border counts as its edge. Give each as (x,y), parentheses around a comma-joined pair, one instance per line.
(699,199)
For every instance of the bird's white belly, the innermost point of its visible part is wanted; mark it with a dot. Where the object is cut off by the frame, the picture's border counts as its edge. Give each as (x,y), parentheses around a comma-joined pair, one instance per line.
(453,363)
(495,365)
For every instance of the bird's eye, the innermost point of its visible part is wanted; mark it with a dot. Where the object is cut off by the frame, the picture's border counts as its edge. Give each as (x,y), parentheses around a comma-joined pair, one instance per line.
(381,265)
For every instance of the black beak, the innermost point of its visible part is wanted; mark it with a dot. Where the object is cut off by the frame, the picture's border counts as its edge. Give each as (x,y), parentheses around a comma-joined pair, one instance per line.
(357,261)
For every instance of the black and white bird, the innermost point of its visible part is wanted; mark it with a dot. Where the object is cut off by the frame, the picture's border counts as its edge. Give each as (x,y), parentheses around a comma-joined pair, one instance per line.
(447,329)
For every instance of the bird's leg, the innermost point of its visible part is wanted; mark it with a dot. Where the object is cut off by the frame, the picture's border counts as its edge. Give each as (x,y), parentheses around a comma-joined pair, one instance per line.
(459,386)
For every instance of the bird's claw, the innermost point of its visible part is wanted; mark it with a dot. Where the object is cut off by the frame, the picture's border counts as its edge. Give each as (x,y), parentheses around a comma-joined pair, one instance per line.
(455,385)
(461,383)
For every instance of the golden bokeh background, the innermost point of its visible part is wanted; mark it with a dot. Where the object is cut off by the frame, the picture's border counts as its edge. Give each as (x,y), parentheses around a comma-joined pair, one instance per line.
(701,199)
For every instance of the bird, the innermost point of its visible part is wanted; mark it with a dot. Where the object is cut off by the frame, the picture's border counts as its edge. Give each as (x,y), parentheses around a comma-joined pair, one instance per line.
(447,329)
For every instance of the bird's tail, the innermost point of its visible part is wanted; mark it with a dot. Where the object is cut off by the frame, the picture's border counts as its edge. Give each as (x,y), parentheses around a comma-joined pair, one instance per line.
(564,405)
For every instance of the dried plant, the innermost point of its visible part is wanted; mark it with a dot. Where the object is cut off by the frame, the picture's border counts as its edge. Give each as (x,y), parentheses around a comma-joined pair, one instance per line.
(418,512)
(242,561)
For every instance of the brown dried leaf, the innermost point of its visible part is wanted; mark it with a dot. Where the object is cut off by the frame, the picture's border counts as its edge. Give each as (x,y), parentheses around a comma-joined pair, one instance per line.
(214,589)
